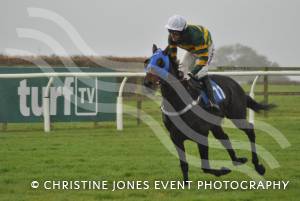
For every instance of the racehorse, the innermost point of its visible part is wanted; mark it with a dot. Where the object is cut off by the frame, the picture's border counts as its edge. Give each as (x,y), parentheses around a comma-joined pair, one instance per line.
(187,117)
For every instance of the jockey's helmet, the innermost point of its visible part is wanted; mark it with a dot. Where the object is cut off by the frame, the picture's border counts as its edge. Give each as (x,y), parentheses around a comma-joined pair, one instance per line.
(176,23)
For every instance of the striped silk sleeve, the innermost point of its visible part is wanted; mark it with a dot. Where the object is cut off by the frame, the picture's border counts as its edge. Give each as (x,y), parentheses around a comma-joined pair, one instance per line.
(173,49)
(201,52)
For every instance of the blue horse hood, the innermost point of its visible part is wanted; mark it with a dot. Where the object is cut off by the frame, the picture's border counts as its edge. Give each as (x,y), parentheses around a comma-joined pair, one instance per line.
(161,71)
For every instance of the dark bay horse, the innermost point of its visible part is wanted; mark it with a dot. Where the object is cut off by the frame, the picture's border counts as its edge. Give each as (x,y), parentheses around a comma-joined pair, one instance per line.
(186,117)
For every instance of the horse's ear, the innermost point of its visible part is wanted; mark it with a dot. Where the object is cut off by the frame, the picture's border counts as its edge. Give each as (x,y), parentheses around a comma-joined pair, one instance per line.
(166,51)
(146,62)
(154,48)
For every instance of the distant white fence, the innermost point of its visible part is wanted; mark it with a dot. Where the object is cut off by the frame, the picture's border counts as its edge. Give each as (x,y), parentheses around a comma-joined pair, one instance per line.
(125,75)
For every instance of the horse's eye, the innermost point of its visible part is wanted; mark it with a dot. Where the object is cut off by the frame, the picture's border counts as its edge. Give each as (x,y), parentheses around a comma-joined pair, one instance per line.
(160,62)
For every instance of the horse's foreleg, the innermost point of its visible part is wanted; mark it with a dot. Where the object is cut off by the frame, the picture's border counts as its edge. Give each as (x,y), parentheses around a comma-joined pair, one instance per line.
(219,134)
(205,166)
(181,153)
(203,151)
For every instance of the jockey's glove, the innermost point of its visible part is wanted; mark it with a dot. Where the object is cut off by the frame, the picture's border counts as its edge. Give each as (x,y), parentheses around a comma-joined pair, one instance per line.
(193,81)
(191,76)
(180,75)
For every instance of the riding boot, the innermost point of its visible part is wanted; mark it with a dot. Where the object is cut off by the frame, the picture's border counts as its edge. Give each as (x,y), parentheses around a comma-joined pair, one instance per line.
(210,94)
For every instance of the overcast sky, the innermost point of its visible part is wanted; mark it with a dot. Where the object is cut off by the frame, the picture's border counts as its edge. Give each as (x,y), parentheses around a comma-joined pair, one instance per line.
(130,27)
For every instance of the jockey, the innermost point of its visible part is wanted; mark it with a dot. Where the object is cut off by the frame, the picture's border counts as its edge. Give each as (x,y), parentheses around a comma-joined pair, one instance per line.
(196,40)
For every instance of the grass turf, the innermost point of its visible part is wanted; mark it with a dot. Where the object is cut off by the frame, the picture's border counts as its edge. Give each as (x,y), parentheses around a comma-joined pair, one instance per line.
(83,152)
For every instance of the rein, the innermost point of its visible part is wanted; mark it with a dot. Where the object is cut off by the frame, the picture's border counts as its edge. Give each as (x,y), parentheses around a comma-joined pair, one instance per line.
(183,111)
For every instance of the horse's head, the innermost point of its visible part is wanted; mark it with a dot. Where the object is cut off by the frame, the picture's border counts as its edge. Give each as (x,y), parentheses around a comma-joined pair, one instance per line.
(160,68)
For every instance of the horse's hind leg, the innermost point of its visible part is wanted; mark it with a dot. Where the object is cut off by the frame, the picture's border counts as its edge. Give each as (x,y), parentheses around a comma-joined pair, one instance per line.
(205,166)
(219,134)
(248,128)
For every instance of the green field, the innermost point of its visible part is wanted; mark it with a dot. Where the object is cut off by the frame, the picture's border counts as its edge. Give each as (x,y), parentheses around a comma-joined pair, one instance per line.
(81,151)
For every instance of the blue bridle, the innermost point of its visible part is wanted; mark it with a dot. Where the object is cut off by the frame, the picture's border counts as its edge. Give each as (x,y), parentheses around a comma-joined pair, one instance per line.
(161,71)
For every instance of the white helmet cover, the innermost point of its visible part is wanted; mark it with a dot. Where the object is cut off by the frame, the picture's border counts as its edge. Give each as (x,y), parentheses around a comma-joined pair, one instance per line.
(176,23)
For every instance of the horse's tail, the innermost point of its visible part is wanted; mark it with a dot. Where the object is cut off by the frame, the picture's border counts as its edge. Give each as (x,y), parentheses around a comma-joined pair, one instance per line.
(257,107)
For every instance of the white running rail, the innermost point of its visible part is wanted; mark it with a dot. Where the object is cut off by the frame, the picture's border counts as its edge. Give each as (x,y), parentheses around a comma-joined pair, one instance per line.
(119,104)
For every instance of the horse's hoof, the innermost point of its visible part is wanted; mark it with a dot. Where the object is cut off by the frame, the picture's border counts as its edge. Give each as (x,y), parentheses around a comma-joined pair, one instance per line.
(186,183)
(240,161)
(208,171)
(225,170)
(260,169)
(222,171)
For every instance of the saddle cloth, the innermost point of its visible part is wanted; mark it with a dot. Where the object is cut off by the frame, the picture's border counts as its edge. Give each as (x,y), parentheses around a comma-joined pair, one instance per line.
(219,94)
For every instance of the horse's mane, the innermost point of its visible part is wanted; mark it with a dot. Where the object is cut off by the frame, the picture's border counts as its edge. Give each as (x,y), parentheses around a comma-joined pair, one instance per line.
(175,68)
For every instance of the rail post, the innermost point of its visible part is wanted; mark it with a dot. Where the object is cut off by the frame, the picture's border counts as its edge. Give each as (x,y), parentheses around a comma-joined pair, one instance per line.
(266,88)
(46,106)
(119,109)
(139,100)
(251,112)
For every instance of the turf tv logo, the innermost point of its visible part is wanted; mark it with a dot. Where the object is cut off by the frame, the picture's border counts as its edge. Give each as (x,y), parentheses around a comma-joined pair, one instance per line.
(83,92)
